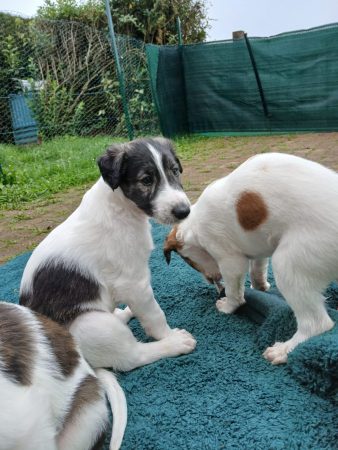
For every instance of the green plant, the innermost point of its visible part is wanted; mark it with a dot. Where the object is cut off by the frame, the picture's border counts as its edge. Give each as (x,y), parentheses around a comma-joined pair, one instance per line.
(7,176)
(56,110)
(148,20)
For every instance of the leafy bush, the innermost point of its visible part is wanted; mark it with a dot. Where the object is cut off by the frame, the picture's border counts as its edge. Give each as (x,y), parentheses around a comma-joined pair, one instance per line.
(15,53)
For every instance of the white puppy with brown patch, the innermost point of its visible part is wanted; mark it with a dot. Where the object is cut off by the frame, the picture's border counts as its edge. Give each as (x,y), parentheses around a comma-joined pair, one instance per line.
(273,205)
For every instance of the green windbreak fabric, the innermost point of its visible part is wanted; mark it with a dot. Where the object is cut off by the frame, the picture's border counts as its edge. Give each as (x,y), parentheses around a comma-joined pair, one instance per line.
(211,87)
(167,80)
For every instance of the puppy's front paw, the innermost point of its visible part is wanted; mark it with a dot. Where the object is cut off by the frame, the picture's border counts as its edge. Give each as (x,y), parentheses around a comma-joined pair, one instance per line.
(278,353)
(179,342)
(227,306)
(124,315)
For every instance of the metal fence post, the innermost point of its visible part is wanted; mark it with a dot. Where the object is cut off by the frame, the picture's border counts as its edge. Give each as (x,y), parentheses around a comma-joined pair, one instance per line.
(120,73)
(258,79)
(179,31)
(180,51)
(239,35)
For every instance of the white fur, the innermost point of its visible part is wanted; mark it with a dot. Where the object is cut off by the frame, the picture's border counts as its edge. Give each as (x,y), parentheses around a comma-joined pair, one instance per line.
(109,238)
(300,233)
(168,197)
(32,417)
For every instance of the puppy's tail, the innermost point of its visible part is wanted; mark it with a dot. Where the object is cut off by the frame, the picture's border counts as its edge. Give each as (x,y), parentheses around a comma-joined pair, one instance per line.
(118,406)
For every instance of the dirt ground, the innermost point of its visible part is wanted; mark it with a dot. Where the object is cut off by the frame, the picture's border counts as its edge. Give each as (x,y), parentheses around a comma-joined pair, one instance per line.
(21,230)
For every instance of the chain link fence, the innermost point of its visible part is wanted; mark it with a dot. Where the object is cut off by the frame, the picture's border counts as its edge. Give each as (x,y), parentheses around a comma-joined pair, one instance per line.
(59,77)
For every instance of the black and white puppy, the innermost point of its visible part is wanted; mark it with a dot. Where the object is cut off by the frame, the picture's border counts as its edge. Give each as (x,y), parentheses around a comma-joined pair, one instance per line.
(50,398)
(98,258)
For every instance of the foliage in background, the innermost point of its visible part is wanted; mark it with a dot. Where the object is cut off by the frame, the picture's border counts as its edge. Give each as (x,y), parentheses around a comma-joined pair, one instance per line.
(73,61)
(78,91)
(152,21)
(66,51)
(15,58)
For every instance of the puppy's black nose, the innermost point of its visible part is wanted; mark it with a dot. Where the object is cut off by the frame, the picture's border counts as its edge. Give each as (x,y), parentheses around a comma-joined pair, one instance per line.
(181,211)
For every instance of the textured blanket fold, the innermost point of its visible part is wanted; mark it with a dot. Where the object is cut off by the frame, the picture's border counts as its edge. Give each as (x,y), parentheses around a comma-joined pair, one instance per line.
(223,395)
(314,363)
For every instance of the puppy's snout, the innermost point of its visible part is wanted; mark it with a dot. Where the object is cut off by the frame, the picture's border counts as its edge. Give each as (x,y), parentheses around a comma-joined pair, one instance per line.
(181,211)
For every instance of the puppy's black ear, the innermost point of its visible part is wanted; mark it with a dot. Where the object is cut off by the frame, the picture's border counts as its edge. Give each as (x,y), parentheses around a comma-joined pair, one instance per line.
(111,165)
(179,164)
(173,151)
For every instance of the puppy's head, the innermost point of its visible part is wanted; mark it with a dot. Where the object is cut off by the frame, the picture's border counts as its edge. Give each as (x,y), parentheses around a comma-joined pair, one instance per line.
(183,243)
(148,172)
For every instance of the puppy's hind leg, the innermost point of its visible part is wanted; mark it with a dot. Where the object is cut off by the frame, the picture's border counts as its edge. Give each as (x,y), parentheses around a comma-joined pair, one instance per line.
(302,292)
(105,341)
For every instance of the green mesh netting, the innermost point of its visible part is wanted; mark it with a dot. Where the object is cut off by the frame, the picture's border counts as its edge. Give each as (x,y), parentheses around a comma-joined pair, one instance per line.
(59,78)
(211,87)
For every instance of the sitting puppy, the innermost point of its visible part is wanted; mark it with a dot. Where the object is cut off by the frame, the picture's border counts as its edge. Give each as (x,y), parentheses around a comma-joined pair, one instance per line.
(272,205)
(98,258)
(50,398)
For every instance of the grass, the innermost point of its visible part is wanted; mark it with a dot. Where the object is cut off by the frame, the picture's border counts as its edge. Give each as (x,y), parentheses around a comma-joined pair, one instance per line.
(190,146)
(37,172)
(33,174)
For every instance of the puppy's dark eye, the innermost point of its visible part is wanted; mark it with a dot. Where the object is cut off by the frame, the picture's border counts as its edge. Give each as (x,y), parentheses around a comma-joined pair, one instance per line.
(175,171)
(147,181)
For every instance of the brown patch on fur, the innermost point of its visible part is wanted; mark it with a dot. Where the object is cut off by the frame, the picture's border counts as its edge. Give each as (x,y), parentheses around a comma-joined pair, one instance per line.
(62,344)
(171,244)
(251,210)
(193,264)
(211,278)
(88,392)
(17,345)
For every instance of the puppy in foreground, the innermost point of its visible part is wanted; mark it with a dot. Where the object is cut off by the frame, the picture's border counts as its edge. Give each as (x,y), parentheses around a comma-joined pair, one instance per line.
(274,205)
(98,259)
(50,398)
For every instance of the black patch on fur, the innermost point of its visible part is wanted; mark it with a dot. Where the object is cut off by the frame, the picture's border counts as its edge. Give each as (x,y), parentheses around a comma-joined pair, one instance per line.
(17,345)
(128,165)
(222,293)
(59,291)
(139,164)
(110,165)
(100,441)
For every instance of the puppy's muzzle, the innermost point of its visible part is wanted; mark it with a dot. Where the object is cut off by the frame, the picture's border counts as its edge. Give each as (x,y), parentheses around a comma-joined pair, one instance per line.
(181,211)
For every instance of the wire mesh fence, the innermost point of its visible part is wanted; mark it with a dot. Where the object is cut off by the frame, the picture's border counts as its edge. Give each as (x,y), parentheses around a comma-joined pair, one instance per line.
(59,77)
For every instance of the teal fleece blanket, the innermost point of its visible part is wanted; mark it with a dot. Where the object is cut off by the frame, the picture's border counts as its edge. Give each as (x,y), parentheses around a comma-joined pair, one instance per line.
(224,395)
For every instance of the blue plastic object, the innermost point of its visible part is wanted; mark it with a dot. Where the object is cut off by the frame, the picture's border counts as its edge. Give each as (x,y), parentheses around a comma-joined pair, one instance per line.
(25,128)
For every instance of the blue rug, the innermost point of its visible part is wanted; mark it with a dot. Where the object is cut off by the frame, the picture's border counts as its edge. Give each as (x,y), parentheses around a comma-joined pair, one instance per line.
(224,395)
